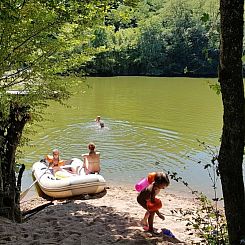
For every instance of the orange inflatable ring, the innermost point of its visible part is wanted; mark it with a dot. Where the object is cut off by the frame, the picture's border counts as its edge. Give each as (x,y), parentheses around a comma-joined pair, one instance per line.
(154,206)
(50,160)
(151,177)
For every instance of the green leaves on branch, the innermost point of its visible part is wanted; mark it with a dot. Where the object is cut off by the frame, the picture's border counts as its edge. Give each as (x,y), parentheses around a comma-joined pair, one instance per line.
(37,39)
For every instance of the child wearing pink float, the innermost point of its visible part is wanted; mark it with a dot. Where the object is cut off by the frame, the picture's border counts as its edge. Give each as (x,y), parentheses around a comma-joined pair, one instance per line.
(147,198)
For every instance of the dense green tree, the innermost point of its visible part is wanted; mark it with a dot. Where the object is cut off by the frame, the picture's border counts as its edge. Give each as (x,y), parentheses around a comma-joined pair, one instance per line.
(121,17)
(152,47)
(187,40)
(37,40)
(172,38)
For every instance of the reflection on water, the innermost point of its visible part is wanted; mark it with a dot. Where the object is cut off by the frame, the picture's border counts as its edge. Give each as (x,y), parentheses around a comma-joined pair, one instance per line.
(150,124)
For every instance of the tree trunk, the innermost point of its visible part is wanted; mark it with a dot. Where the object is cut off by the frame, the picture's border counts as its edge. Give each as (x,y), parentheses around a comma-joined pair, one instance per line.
(10,134)
(232,143)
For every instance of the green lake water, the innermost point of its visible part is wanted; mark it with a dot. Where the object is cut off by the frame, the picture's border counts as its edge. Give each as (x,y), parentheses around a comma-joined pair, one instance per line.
(147,120)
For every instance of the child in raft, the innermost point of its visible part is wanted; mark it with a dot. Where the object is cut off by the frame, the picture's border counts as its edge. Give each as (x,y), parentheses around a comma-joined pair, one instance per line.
(147,198)
(56,165)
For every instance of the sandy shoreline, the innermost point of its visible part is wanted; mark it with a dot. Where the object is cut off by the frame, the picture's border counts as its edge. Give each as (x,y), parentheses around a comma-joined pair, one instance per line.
(106,218)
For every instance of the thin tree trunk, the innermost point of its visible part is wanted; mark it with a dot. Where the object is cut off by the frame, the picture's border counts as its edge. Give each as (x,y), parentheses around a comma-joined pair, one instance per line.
(10,139)
(232,143)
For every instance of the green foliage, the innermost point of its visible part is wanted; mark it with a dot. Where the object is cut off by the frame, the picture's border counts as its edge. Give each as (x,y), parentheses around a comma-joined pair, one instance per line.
(208,220)
(215,87)
(37,42)
(121,17)
(172,38)
(205,17)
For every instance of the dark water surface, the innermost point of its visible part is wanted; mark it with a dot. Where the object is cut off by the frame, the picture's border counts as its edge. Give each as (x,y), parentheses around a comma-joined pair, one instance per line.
(150,124)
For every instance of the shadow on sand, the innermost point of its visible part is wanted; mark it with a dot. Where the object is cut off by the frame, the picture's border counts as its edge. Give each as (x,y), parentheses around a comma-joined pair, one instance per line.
(86,224)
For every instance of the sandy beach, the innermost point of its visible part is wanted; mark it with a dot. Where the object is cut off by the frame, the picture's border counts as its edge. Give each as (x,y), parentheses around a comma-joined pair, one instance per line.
(110,217)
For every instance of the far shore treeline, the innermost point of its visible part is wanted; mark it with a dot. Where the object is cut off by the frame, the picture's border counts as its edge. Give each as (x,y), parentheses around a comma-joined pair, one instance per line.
(156,38)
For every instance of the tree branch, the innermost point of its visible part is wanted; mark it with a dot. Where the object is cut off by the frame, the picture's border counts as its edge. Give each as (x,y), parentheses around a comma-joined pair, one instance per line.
(26,40)
(22,169)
